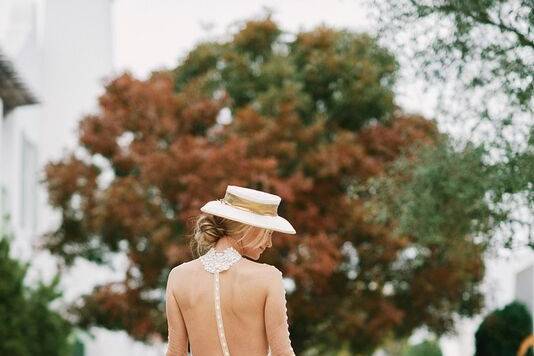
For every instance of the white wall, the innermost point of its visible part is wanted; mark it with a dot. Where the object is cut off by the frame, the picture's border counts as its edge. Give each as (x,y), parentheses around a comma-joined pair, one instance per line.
(524,287)
(62,50)
(77,55)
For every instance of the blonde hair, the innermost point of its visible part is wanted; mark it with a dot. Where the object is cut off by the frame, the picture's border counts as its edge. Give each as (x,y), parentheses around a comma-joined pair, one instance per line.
(210,228)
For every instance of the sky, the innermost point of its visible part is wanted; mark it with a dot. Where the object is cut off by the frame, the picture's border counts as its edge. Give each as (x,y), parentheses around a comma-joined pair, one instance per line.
(155,34)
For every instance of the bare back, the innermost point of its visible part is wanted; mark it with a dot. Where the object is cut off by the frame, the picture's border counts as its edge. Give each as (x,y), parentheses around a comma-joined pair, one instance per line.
(252,303)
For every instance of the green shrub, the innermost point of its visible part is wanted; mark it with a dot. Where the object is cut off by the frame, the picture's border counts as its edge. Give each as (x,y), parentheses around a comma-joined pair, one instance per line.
(503,330)
(426,348)
(27,325)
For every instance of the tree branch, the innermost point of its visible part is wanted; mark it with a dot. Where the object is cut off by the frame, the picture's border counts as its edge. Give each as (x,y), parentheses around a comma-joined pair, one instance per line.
(480,18)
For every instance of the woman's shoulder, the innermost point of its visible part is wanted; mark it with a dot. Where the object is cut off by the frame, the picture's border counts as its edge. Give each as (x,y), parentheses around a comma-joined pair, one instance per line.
(264,268)
(186,267)
(247,268)
(272,271)
(267,273)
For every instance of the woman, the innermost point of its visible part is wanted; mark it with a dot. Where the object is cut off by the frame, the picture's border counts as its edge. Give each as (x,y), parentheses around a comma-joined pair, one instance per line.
(222,303)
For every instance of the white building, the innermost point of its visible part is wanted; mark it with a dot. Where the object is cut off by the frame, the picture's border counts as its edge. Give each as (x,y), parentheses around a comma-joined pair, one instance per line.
(524,288)
(61,53)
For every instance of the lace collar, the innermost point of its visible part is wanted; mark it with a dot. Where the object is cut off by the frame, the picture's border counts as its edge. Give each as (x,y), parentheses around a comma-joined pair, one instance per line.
(215,261)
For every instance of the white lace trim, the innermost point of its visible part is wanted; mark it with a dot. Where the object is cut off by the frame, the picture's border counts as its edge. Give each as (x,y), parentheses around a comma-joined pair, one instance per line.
(215,261)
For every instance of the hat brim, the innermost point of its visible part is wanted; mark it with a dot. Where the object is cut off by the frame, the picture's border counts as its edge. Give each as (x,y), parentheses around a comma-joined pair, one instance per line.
(275,223)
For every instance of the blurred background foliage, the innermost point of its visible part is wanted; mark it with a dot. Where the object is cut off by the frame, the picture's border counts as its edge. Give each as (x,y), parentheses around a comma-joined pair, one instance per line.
(28,324)
(477,56)
(482,49)
(447,193)
(308,116)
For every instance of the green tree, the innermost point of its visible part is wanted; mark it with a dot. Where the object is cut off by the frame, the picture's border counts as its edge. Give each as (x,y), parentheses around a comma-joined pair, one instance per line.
(28,326)
(446,193)
(503,330)
(487,45)
(479,55)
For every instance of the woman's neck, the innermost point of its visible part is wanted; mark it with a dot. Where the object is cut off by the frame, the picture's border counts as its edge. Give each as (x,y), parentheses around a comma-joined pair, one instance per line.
(225,242)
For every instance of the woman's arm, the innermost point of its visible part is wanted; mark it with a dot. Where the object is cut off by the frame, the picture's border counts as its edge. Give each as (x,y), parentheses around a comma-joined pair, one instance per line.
(276,324)
(178,341)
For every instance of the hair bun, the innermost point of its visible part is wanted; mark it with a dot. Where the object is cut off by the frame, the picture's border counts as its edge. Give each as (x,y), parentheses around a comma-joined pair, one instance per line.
(211,228)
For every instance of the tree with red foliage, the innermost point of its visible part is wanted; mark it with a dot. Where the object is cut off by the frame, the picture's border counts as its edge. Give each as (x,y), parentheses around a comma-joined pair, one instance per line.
(311,116)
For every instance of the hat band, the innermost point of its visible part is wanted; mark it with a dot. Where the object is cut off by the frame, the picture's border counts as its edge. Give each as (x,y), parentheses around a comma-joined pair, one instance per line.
(248,205)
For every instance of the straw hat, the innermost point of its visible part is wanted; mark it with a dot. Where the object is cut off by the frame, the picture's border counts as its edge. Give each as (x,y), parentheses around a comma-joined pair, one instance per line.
(250,206)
